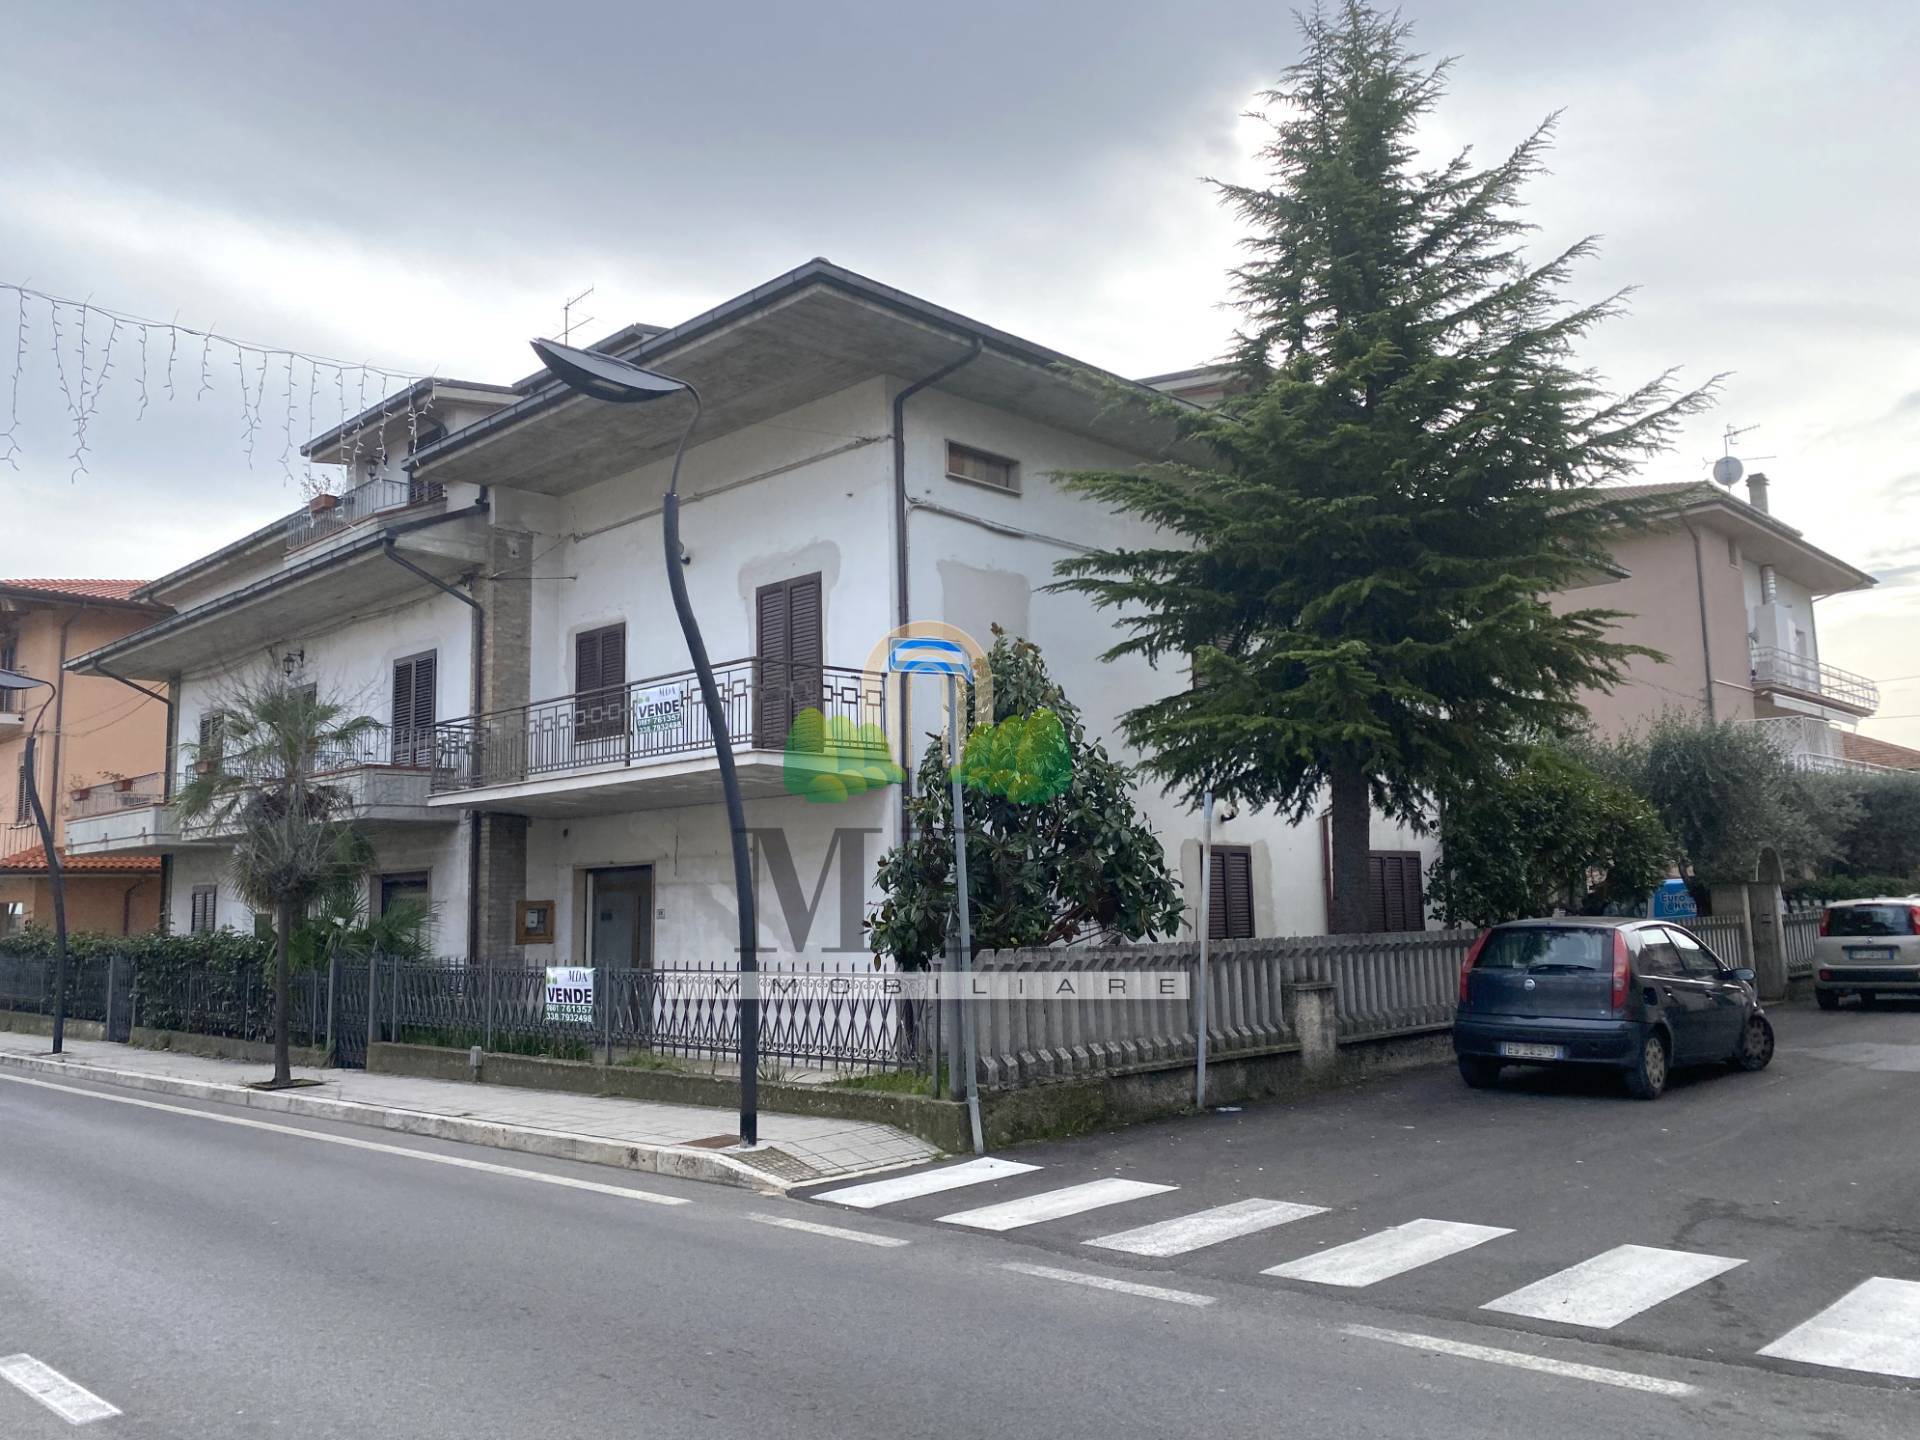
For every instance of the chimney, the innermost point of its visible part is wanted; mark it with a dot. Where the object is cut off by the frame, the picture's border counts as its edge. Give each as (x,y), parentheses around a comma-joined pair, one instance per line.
(1757,491)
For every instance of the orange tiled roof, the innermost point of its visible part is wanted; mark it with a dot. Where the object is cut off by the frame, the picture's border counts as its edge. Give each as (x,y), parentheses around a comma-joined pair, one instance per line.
(34,862)
(1878,752)
(78,589)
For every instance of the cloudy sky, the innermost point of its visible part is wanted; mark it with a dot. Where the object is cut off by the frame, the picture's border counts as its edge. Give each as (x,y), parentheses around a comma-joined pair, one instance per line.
(422,185)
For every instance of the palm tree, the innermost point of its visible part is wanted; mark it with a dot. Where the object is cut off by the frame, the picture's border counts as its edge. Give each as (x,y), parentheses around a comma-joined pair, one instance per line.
(257,782)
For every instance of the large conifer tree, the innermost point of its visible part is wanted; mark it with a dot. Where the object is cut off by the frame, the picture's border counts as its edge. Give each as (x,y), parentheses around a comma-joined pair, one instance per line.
(1409,463)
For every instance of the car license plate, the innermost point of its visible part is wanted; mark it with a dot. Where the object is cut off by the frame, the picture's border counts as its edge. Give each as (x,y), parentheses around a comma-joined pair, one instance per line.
(1527,1050)
(1870,952)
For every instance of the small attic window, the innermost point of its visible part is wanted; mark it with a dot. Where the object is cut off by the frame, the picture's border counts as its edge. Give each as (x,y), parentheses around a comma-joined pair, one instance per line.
(978,467)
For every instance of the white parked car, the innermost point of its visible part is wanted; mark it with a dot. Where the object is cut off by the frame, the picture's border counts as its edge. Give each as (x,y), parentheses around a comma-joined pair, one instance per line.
(1867,948)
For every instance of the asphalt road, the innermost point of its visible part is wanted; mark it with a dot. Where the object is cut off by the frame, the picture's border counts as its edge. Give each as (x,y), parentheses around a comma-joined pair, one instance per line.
(212,1273)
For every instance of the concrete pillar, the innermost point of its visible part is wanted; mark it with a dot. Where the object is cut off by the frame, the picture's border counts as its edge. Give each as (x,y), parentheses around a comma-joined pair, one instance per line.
(1311,1004)
(503,882)
(1764,910)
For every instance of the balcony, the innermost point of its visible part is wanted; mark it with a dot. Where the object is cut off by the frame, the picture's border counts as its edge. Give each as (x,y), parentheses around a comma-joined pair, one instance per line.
(385,775)
(648,745)
(1778,672)
(328,515)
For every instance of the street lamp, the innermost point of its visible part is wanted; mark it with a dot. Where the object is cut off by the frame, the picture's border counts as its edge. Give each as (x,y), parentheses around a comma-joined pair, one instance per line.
(620,382)
(13,680)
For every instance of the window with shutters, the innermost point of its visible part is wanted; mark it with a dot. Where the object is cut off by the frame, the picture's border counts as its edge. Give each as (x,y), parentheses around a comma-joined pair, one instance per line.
(789,651)
(414,689)
(204,909)
(979,467)
(22,809)
(213,743)
(600,683)
(1230,893)
(1395,900)
(10,660)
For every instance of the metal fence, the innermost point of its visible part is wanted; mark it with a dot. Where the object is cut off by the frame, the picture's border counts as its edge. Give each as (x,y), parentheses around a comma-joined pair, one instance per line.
(232,1004)
(97,989)
(1800,931)
(110,796)
(1726,936)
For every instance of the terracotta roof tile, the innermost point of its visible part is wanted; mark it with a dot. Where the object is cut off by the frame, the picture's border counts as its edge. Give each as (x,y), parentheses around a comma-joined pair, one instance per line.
(34,862)
(78,589)
(1878,752)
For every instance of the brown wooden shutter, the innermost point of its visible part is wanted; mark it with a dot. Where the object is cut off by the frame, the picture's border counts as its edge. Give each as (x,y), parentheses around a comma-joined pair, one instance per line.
(599,682)
(1230,894)
(789,651)
(414,709)
(1395,900)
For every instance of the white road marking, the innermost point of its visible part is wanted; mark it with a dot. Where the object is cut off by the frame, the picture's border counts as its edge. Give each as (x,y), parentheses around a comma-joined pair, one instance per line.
(1054,1204)
(1874,1327)
(1388,1253)
(1613,1286)
(459,1162)
(72,1403)
(1207,1227)
(787,1222)
(1101,1282)
(1520,1360)
(924,1182)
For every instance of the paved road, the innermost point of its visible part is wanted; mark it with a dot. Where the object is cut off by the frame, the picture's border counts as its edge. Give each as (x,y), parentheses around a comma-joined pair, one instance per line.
(1711,1224)
(215,1274)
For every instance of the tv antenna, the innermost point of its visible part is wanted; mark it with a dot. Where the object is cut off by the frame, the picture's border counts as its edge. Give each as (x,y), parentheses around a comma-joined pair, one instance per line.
(567,322)
(1728,469)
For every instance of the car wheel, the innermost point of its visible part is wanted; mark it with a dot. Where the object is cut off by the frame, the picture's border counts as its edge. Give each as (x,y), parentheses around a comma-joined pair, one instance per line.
(1827,999)
(1479,1074)
(1756,1044)
(1647,1079)
(1868,999)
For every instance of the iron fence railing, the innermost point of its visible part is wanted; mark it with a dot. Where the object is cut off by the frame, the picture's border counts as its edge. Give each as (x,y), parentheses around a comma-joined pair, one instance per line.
(330,514)
(765,702)
(1800,931)
(1776,669)
(234,1004)
(400,747)
(109,796)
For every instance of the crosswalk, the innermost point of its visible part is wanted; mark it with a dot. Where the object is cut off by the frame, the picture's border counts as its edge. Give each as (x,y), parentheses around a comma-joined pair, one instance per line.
(1873,1328)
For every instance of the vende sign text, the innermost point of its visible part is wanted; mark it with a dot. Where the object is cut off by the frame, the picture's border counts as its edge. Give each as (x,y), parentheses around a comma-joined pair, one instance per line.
(570,993)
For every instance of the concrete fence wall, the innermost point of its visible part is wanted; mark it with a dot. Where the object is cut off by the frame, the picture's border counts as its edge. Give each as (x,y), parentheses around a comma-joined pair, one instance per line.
(1263,995)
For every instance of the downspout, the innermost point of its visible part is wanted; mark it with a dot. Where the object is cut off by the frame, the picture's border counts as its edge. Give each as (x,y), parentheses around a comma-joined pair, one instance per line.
(477,656)
(903,608)
(1706,638)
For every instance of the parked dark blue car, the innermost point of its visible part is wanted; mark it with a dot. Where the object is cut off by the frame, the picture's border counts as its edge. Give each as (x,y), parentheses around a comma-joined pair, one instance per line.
(1640,996)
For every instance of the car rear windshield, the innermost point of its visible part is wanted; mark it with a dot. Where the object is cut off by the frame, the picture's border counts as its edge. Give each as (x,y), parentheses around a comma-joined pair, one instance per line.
(1870,920)
(1531,948)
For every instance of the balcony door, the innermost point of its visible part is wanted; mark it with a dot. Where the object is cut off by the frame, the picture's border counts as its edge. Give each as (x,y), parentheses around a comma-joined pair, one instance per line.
(600,685)
(414,713)
(789,652)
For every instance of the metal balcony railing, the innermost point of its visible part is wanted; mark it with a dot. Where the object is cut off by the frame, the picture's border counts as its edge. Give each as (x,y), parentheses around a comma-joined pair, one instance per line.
(330,514)
(403,748)
(108,796)
(662,716)
(1775,669)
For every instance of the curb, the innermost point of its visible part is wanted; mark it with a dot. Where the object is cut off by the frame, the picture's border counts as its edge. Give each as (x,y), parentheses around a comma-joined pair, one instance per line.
(680,1161)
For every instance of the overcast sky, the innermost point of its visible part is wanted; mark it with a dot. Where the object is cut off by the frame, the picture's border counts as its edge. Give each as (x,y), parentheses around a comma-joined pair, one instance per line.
(422,185)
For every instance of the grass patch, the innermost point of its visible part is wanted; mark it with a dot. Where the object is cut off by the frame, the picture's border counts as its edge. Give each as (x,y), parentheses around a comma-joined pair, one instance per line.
(890,1082)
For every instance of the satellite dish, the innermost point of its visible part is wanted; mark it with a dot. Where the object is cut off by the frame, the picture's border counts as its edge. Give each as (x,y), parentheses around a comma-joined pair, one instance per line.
(1727,470)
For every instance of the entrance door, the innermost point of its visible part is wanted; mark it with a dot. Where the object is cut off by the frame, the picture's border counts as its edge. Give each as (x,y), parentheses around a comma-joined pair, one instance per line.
(621,903)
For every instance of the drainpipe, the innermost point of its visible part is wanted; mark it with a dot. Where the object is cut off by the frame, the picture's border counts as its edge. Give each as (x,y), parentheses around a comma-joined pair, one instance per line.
(904,610)
(1706,637)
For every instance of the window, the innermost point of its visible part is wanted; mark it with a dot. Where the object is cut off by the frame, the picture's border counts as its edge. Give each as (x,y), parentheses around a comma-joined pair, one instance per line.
(996,472)
(212,747)
(413,709)
(1533,947)
(1230,894)
(1395,901)
(789,652)
(600,682)
(205,909)
(411,887)
(1659,956)
(22,811)
(1696,961)
(1733,551)
(10,660)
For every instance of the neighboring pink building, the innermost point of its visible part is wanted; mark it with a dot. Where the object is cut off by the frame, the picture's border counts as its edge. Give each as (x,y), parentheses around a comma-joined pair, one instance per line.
(101,744)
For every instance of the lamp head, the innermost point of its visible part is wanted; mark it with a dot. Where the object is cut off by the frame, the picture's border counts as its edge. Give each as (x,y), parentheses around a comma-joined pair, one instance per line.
(602,376)
(14,680)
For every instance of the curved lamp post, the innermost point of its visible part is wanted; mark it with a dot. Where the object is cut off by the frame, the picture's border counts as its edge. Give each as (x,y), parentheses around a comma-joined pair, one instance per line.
(13,680)
(620,382)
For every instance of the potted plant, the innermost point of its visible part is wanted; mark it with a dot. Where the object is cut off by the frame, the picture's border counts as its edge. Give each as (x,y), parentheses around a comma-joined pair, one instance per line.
(321,504)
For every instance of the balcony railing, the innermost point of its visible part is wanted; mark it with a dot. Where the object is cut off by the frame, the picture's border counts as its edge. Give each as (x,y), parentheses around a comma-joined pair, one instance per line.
(659,717)
(1775,669)
(330,514)
(402,748)
(135,792)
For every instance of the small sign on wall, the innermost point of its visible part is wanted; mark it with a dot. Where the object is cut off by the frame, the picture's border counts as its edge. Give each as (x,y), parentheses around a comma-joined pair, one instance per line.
(533,922)
(570,994)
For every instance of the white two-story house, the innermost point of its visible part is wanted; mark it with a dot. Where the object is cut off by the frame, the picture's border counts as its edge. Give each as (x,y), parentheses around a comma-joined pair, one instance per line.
(490,586)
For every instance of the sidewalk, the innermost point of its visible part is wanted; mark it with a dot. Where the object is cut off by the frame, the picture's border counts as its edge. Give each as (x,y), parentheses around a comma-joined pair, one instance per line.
(630,1134)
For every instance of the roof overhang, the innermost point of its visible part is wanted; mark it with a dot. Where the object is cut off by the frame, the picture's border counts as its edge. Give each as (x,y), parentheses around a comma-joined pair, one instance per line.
(410,407)
(1767,541)
(356,578)
(814,331)
(25,597)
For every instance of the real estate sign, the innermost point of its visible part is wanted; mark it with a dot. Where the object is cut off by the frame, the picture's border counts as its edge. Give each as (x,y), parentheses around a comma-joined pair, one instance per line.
(570,993)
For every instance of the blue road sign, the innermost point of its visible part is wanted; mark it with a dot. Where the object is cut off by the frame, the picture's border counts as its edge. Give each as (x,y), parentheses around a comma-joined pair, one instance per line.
(923,655)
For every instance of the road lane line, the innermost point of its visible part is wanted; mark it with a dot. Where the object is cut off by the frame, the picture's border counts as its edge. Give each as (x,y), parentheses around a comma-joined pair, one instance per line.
(1874,1327)
(624,1192)
(1054,1204)
(1102,1282)
(72,1403)
(810,1227)
(1519,1360)
(1613,1286)
(1387,1253)
(1207,1227)
(924,1182)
